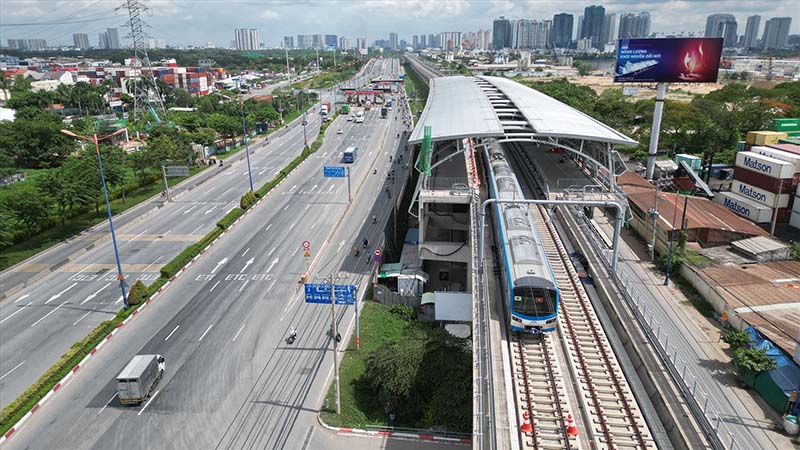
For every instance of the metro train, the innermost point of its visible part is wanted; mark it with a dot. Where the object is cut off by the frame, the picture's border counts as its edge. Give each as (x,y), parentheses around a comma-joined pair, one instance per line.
(528,285)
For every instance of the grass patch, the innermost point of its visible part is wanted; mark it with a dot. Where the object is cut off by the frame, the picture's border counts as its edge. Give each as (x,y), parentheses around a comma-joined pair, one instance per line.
(378,326)
(81,222)
(693,297)
(416,90)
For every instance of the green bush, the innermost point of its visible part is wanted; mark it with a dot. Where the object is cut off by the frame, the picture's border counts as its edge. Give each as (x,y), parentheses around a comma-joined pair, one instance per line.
(171,268)
(138,293)
(249,199)
(229,218)
(753,359)
(736,339)
(404,312)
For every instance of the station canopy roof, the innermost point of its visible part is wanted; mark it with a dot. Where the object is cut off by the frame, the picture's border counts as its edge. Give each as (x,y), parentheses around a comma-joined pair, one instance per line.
(459,107)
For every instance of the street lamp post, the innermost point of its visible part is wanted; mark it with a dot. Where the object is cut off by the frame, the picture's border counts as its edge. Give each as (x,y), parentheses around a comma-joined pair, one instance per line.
(244,137)
(95,139)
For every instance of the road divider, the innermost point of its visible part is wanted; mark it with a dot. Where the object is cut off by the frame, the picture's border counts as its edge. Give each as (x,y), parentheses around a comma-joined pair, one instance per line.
(18,411)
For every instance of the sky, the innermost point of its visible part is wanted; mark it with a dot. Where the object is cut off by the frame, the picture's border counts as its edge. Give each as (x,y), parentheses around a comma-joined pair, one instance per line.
(196,22)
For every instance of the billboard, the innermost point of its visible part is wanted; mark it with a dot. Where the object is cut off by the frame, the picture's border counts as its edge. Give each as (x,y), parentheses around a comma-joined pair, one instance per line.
(673,60)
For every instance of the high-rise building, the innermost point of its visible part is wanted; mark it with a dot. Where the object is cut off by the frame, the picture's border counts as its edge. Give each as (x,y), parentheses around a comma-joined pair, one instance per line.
(561,36)
(751,32)
(41,44)
(483,40)
(305,41)
(288,42)
(318,41)
(247,39)
(423,41)
(610,29)
(393,43)
(593,17)
(331,41)
(501,33)
(113,38)
(633,25)
(450,40)
(102,40)
(724,26)
(415,42)
(361,46)
(579,31)
(776,30)
(81,40)
(344,43)
(17,44)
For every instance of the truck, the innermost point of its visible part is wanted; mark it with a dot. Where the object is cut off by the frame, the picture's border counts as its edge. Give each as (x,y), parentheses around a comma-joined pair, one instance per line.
(325,108)
(384,112)
(138,378)
(345,109)
(360,117)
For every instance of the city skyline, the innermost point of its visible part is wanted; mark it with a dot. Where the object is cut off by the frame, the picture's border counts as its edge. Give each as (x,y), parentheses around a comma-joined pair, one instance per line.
(171,22)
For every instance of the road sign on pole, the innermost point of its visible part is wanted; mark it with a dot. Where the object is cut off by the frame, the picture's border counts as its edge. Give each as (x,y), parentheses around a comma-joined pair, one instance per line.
(333,172)
(321,293)
(306,245)
(377,256)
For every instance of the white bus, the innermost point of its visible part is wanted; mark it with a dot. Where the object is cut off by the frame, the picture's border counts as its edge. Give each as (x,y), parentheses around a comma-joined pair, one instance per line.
(360,117)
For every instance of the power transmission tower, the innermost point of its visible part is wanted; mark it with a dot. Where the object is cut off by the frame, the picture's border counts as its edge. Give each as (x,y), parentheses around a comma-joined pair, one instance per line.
(146,96)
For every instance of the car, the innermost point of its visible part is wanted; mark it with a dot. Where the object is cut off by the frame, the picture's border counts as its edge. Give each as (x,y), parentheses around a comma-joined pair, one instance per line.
(350,118)
(340,131)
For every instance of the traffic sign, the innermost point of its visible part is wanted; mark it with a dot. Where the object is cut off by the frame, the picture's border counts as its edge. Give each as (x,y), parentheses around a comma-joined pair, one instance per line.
(377,256)
(333,172)
(321,293)
(306,245)
(306,255)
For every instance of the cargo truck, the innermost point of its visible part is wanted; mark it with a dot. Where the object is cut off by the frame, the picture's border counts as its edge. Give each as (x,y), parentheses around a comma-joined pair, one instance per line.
(138,378)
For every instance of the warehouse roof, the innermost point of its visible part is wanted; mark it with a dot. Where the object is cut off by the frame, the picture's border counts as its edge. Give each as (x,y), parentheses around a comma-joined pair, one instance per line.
(456,108)
(551,118)
(766,296)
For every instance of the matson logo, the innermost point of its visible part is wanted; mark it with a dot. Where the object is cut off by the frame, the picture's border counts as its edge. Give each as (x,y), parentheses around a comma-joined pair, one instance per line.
(757,165)
(736,207)
(747,191)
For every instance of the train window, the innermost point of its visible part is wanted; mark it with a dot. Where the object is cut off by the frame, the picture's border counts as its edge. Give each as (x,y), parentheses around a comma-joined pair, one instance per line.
(535,302)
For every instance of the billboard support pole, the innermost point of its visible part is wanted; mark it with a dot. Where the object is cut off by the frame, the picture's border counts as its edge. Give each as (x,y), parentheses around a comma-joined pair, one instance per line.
(661,93)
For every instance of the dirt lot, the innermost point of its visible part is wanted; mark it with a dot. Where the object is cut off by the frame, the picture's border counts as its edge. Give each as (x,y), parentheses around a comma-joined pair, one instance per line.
(678,92)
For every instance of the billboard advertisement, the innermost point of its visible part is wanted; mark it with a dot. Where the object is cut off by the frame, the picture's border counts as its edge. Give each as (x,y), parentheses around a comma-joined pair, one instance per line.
(672,60)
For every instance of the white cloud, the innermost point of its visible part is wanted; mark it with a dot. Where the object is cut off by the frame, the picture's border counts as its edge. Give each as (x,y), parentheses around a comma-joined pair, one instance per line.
(269,14)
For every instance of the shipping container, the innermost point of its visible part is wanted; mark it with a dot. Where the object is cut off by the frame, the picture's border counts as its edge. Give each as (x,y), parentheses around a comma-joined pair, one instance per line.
(765,165)
(744,207)
(716,169)
(740,146)
(765,182)
(789,140)
(784,124)
(793,133)
(791,148)
(695,162)
(764,137)
(794,220)
(793,158)
(759,195)
(796,205)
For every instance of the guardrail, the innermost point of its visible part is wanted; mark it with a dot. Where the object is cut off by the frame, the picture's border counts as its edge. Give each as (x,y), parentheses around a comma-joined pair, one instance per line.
(700,403)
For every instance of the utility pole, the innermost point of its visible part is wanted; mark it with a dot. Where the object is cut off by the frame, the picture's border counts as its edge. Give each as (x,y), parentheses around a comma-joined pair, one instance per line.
(335,348)
(166,185)
(661,93)
(288,74)
(775,208)
(654,213)
(141,92)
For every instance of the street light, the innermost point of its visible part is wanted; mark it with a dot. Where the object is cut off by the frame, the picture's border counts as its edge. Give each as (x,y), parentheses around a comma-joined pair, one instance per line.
(244,137)
(96,140)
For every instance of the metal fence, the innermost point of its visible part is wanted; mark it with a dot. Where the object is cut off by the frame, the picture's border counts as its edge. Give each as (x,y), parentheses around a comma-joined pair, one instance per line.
(419,432)
(385,296)
(700,403)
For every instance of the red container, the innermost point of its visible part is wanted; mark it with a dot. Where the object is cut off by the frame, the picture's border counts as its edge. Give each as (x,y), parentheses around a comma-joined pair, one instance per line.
(774,185)
(789,148)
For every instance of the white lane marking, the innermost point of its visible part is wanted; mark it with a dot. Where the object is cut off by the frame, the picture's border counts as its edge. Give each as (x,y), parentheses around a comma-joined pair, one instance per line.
(313,225)
(247,264)
(91,296)
(220,263)
(271,251)
(292,188)
(271,284)
(286,207)
(237,333)
(312,189)
(22,297)
(245,284)
(157,260)
(15,368)
(326,206)
(273,265)
(138,235)
(262,172)
(205,332)
(245,252)
(308,206)
(171,333)
(341,244)
(214,286)
(76,322)
(330,188)
(198,227)
(16,312)
(295,251)
(291,227)
(148,403)
(51,312)
(268,227)
(244,173)
(226,191)
(212,209)
(60,293)
(118,300)
(108,402)
(188,210)
(160,237)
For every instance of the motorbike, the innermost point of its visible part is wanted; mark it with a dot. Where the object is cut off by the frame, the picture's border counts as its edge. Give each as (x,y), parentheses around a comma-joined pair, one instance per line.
(292,336)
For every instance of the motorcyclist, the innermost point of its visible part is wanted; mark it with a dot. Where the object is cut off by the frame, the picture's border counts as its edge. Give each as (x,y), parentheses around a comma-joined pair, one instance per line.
(292,333)
(365,242)
(374,219)
(356,251)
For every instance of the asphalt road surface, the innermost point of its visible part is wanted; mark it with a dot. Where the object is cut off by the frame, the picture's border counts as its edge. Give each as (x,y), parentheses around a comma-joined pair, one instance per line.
(231,381)
(39,323)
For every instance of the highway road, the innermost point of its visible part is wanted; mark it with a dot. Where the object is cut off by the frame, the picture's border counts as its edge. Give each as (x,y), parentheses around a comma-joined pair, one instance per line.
(231,381)
(59,307)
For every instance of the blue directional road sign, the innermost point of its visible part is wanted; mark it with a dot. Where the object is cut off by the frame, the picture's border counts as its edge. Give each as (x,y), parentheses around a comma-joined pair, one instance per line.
(321,293)
(333,172)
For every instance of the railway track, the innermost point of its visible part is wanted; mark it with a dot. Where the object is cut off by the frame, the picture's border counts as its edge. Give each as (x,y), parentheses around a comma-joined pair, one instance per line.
(603,393)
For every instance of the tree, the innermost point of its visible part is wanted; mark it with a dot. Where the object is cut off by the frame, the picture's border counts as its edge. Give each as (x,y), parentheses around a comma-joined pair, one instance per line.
(137,294)
(753,359)
(583,67)
(28,206)
(182,98)
(204,136)
(225,125)
(67,187)
(36,142)
(735,338)
(6,228)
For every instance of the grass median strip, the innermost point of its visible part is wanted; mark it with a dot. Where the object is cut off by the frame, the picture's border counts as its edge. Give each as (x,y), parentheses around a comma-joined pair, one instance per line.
(12,413)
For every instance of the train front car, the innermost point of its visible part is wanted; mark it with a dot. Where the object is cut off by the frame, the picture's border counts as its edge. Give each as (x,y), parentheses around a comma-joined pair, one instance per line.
(528,283)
